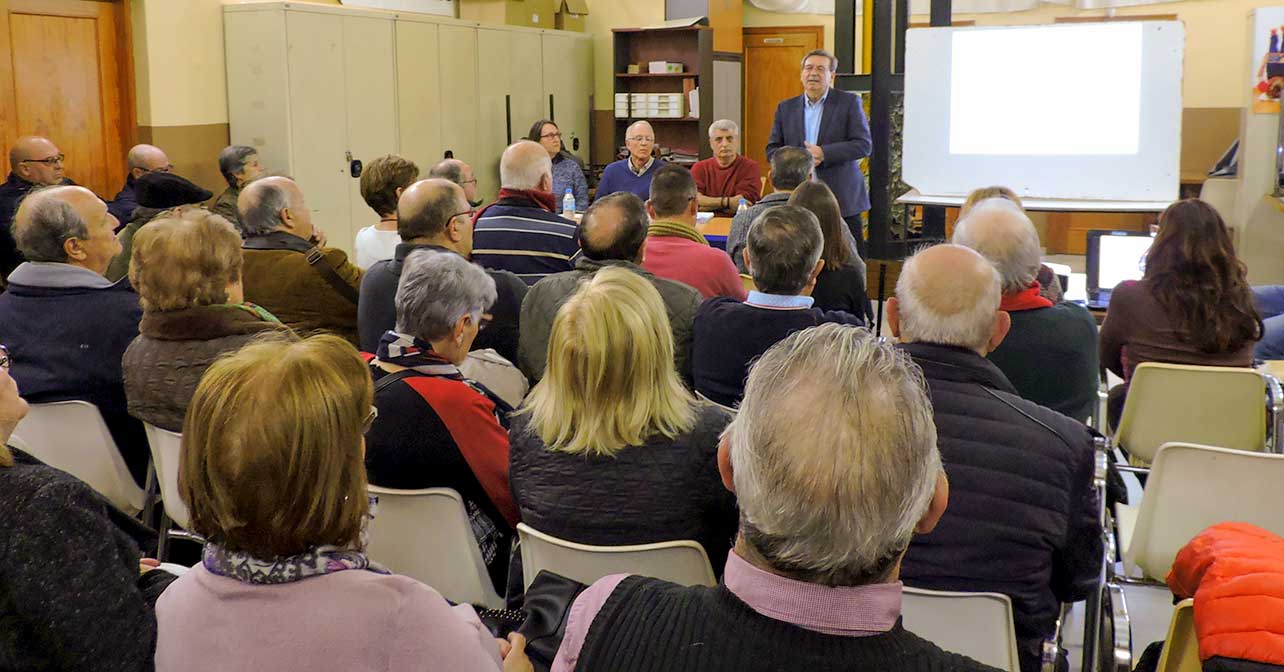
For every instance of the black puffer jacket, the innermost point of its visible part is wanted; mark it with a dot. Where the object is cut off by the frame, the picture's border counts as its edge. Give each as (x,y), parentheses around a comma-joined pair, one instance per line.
(663,490)
(1022,518)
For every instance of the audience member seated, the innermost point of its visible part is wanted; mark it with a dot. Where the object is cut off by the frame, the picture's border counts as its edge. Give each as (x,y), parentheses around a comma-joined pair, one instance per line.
(141,160)
(438,429)
(521,232)
(72,597)
(674,249)
(1023,512)
(287,271)
(841,284)
(154,193)
(1193,305)
(382,182)
(612,235)
(1269,301)
(33,162)
(825,516)
(726,177)
(633,173)
(1050,354)
(433,214)
(187,272)
(65,324)
(1049,286)
(240,166)
(460,173)
(785,245)
(272,475)
(567,171)
(611,449)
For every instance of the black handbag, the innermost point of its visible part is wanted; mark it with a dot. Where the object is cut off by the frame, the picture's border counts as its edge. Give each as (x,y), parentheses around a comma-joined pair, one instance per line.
(548,603)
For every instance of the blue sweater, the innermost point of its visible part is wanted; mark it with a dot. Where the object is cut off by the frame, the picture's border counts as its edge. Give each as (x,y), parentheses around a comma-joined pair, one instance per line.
(517,235)
(618,177)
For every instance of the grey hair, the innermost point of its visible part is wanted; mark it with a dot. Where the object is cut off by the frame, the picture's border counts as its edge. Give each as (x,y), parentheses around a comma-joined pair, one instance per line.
(448,169)
(436,289)
(784,244)
(833,60)
(835,505)
(968,326)
(724,125)
(523,172)
(1002,233)
(790,167)
(232,161)
(263,216)
(46,224)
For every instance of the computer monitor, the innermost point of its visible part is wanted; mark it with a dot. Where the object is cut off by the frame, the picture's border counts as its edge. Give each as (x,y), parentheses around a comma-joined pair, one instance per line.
(1116,256)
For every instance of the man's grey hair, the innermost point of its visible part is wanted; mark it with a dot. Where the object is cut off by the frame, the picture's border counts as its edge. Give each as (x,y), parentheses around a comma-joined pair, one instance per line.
(724,125)
(784,244)
(790,167)
(967,320)
(449,169)
(1002,233)
(836,504)
(45,224)
(436,289)
(520,169)
(232,160)
(833,60)
(263,216)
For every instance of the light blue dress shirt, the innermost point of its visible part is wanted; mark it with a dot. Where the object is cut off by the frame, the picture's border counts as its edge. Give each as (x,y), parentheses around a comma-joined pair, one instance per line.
(779,301)
(811,117)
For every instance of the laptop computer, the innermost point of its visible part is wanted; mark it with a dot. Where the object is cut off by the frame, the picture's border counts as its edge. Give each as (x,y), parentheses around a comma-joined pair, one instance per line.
(1113,257)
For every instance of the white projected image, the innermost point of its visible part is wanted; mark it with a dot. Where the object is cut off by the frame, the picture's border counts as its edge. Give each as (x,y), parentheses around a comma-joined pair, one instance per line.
(1122,258)
(1047,91)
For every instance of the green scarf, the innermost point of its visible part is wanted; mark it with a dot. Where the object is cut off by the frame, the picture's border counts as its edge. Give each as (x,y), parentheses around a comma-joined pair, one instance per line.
(662,227)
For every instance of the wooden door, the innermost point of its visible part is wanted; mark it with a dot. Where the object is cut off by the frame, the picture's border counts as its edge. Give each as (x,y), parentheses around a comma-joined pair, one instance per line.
(418,94)
(509,97)
(568,81)
(457,68)
(772,72)
(66,73)
(370,87)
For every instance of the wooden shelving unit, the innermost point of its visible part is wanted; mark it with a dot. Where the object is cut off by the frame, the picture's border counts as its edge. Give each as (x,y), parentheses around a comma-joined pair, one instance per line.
(690,45)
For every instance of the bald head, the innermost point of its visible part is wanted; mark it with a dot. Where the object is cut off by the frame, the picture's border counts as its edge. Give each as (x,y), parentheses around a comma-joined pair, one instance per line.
(36,160)
(460,173)
(614,228)
(526,165)
(273,204)
(143,159)
(948,295)
(1002,233)
(426,208)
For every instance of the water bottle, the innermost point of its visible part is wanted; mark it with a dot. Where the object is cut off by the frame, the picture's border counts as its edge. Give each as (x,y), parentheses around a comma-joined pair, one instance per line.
(743,207)
(568,204)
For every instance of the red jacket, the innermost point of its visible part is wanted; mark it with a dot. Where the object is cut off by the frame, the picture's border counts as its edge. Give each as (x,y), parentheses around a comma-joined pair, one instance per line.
(1235,572)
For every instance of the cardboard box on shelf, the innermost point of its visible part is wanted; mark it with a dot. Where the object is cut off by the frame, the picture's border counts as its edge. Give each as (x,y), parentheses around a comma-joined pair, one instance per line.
(529,13)
(571,15)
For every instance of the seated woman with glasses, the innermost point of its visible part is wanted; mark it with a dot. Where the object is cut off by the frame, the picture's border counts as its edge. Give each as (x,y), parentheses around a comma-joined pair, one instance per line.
(439,429)
(272,474)
(567,171)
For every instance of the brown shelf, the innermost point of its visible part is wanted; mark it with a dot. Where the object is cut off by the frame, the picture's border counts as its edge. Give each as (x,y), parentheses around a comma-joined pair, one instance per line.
(647,75)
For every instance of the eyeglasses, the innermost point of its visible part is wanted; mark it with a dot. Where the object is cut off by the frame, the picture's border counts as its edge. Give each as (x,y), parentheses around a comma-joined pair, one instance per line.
(369,421)
(51,161)
(4,358)
(484,321)
(546,136)
(469,212)
(163,169)
(472,181)
(641,138)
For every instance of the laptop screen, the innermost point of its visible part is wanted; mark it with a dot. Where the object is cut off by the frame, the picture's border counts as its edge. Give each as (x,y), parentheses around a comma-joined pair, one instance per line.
(1120,258)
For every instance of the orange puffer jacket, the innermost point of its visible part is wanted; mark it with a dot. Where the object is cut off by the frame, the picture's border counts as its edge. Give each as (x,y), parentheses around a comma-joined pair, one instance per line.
(1235,572)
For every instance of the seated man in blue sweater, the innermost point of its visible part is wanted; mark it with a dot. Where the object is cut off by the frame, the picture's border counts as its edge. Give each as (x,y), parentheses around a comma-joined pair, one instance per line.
(808,585)
(634,172)
(783,255)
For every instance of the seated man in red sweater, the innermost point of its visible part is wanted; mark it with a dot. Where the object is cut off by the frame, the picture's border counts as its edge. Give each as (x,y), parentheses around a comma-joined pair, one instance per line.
(674,249)
(726,177)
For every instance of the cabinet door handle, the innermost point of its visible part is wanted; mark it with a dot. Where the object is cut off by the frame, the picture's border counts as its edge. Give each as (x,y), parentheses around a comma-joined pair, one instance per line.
(508,117)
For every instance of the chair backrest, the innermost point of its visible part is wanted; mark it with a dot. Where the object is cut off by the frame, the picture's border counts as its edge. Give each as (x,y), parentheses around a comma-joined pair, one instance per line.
(730,409)
(976,625)
(166,449)
(1209,405)
(71,436)
(683,562)
(1192,487)
(1181,647)
(425,534)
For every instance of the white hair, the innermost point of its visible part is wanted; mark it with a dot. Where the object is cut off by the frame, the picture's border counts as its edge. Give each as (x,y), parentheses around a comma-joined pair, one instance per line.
(724,125)
(961,313)
(1002,233)
(436,289)
(838,503)
(520,167)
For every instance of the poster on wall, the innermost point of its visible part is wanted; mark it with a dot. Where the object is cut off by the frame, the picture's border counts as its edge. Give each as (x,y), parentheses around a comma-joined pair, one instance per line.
(1268,59)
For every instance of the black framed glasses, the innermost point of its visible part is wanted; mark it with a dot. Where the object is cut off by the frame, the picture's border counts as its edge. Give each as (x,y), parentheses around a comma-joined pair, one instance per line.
(4,358)
(51,161)
(469,212)
(557,134)
(162,169)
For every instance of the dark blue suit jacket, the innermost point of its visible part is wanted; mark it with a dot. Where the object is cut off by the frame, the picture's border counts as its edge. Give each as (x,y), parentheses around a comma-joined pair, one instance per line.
(843,136)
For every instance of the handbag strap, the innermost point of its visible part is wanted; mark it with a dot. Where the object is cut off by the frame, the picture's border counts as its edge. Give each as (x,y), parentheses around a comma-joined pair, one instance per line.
(393,378)
(316,259)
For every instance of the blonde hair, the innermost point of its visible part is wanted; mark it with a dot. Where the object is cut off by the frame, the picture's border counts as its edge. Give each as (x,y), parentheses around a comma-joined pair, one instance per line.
(986,193)
(610,380)
(183,259)
(272,458)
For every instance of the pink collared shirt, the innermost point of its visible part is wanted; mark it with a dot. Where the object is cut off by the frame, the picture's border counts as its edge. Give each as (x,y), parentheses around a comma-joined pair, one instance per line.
(847,611)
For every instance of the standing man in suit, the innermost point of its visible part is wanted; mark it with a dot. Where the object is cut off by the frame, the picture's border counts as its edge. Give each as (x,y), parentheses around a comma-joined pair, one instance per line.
(831,125)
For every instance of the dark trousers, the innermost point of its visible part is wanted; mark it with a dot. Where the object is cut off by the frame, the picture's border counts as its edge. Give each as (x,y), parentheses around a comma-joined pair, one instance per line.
(857,226)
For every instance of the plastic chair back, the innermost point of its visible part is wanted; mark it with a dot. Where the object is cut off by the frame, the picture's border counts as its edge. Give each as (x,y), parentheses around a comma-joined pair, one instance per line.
(166,447)
(1192,487)
(425,534)
(1208,405)
(683,562)
(71,436)
(1181,647)
(976,625)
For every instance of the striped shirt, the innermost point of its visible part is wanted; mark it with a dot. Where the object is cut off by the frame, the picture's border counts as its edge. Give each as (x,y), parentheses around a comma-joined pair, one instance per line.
(526,240)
